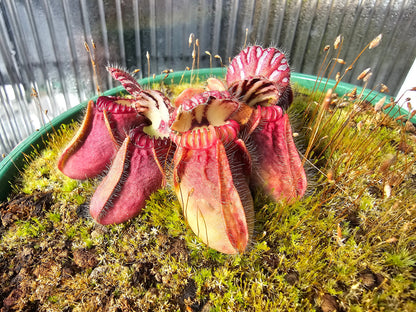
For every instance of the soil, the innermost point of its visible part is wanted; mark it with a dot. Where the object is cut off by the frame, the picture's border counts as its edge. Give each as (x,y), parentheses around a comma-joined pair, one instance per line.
(42,268)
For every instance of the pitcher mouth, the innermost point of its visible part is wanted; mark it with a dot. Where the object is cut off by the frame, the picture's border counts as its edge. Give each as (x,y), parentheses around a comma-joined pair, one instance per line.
(204,118)
(115,105)
(205,136)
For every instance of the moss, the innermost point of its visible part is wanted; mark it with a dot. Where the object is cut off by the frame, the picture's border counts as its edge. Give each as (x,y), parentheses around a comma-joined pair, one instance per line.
(349,244)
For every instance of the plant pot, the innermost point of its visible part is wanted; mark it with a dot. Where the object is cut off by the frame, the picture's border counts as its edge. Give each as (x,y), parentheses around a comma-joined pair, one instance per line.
(10,165)
(354,226)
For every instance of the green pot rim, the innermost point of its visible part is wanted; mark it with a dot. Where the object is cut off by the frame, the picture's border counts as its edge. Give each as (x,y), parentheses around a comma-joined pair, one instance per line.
(10,165)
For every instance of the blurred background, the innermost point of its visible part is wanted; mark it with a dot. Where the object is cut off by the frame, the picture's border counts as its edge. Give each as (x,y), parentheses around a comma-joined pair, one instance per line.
(42,44)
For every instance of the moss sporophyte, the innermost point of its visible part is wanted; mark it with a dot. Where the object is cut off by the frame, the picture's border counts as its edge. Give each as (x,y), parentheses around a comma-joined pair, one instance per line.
(176,178)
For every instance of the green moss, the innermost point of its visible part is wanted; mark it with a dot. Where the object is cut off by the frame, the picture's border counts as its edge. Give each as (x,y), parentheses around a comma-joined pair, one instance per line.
(32,228)
(350,240)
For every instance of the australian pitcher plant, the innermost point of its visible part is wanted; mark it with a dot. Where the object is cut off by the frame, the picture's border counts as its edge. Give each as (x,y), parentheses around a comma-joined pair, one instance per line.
(136,140)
